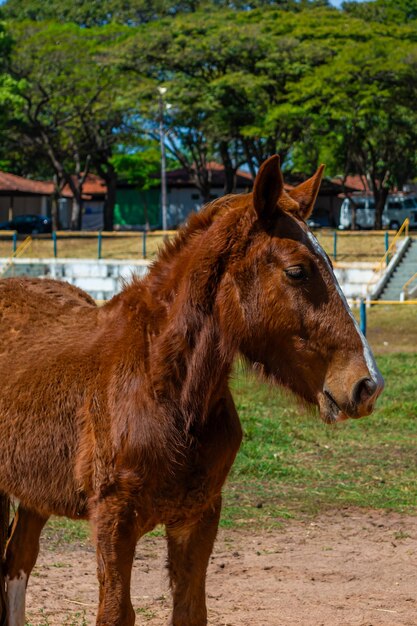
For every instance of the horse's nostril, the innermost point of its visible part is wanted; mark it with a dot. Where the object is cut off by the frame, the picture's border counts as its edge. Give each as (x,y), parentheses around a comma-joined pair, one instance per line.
(364,390)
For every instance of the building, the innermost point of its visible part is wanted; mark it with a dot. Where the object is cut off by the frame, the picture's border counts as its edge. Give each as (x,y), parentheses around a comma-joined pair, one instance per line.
(23,196)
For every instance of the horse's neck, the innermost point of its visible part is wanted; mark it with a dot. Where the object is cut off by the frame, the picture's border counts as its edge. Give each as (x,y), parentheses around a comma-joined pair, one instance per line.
(189,365)
(191,358)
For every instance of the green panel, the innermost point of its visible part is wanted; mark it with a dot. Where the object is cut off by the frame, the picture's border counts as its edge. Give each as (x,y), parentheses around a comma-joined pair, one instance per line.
(137,208)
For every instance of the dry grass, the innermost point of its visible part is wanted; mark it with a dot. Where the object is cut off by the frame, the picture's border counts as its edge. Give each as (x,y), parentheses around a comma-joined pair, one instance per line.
(359,246)
(392,328)
(85,247)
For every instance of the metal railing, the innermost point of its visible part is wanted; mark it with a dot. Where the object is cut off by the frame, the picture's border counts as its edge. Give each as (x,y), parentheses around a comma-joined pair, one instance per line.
(381,265)
(143,237)
(405,288)
(404,228)
(20,250)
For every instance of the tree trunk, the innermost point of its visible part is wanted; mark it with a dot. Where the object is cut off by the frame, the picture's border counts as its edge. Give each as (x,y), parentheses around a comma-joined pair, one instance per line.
(353,207)
(380,196)
(76,212)
(110,201)
(54,211)
(229,170)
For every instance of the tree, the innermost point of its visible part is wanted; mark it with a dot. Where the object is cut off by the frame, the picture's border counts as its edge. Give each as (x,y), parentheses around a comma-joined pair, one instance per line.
(384,11)
(73,105)
(228,78)
(133,12)
(360,107)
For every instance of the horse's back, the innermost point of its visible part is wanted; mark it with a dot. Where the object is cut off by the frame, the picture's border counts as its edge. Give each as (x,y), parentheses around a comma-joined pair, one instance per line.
(28,305)
(48,329)
(24,293)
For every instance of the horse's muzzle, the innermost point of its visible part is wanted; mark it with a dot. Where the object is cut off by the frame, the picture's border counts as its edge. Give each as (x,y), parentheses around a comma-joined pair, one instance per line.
(337,407)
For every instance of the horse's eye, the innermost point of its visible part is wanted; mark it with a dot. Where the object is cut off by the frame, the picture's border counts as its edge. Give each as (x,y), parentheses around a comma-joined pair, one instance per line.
(296,272)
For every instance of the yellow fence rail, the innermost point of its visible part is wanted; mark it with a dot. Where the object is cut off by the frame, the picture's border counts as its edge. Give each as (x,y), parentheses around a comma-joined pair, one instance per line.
(20,250)
(384,261)
(404,228)
(405,288)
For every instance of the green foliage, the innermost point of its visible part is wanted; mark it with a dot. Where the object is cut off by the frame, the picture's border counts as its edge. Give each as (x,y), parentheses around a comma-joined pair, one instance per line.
(384,11)
(244,80)
(133,12)
(140,169)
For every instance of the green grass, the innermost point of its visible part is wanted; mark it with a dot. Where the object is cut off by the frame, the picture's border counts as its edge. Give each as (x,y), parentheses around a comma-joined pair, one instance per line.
(75,619)
(292,464)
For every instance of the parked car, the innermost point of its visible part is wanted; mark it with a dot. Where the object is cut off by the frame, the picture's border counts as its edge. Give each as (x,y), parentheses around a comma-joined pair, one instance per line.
(28,224)
(397,208)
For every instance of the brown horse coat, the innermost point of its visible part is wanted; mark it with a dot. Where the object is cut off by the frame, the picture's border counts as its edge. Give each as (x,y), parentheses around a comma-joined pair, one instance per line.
(122,414)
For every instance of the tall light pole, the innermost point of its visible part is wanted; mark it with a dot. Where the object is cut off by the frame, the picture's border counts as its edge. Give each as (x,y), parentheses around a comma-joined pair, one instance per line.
(162,91)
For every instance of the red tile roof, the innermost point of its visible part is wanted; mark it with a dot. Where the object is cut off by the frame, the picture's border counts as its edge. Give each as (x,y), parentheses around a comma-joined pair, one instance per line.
(182,178)
(353,183)
(93,186)
(10,183)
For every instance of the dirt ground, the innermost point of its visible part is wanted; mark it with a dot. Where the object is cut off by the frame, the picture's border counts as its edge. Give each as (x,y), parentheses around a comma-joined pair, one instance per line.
(350,568)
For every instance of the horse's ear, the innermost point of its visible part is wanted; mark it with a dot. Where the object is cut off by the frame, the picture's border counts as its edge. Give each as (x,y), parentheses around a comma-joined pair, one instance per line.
(306,193)
(267,188)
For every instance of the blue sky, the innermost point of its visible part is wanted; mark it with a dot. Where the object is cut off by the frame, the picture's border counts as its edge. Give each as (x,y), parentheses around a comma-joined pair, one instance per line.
(337,3)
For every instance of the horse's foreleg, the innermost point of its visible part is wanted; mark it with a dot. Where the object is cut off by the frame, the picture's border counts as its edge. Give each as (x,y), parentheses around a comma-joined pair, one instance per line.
(21,554)
(116,536)
(189,549)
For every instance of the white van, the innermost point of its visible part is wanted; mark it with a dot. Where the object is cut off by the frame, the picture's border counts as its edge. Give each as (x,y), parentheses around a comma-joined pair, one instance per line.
(397,208)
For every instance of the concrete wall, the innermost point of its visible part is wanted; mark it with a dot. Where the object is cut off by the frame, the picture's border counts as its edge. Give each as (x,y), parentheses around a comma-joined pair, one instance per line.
(355,278)
(102,279)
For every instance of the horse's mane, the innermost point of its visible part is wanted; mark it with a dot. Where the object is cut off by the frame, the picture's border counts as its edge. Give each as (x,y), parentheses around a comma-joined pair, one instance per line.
(160,269)
(196,224)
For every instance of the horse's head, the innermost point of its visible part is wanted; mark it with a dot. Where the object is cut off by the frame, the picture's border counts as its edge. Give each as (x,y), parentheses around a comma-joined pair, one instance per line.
(287,307)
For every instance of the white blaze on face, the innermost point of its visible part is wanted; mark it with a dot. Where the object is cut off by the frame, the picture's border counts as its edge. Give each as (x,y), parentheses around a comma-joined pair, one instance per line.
(373,370)
(16,596)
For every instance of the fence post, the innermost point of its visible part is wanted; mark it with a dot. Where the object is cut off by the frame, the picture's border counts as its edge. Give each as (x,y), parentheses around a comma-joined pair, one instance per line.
(55,243)
(14,242)
(362,316)
(335,245)
(99,242)
(144,244)
(386,246)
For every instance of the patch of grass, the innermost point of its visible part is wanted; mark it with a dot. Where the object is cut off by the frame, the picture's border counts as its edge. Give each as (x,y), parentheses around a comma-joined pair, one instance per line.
(76,619)
(145,613)
(392,328)
(60,531)
(292,464)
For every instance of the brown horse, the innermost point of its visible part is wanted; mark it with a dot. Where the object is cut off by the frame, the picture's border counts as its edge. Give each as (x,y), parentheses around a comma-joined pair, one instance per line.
(123,415)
